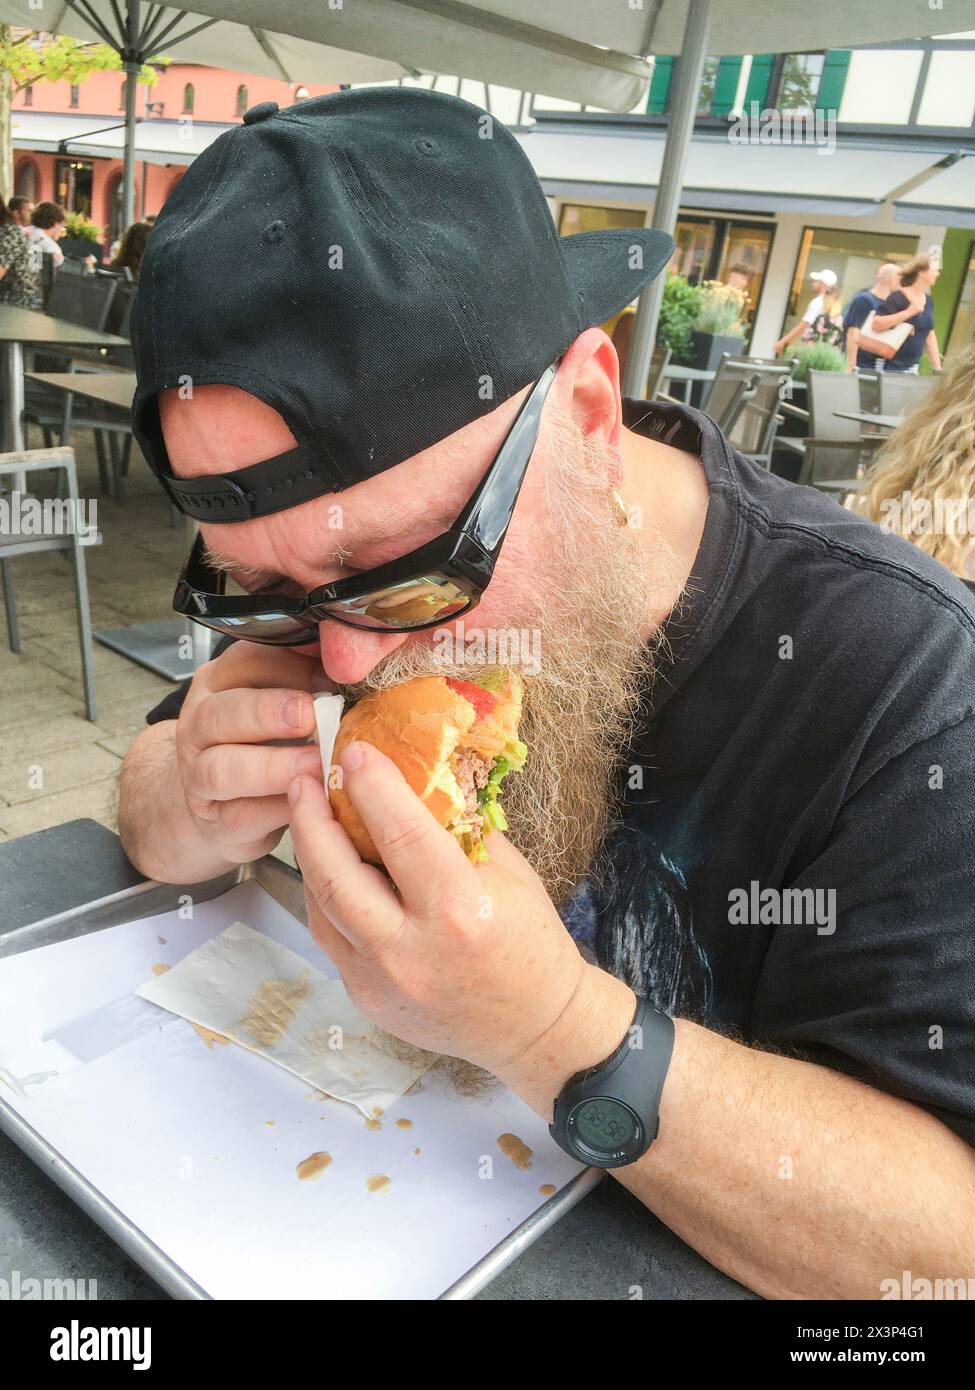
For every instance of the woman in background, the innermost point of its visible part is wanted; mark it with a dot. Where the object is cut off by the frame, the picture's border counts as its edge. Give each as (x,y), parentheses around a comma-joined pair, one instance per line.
(912,303)
(18,274)
(132,249)
(922,482)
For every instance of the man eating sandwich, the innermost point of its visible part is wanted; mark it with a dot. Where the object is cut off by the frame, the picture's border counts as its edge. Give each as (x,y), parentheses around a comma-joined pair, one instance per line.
(724,946)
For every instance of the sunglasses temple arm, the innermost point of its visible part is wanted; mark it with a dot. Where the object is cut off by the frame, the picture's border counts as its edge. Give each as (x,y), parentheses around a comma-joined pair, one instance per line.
(487,516)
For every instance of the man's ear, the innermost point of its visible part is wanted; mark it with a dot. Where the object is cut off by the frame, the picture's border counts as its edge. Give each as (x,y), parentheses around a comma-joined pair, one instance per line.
(589,387)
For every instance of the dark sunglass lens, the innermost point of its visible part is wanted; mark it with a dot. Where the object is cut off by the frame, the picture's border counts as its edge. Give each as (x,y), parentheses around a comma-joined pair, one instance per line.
(414,603)
(279,629)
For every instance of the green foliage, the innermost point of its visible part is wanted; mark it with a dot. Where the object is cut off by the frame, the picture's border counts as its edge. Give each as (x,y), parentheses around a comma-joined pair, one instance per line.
(82,227)
(678,315)
(40,58)
(818,357)
(720,309)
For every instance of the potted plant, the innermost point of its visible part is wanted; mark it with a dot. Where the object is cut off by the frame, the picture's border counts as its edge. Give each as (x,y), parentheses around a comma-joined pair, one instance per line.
(718,328)
(678,314)
(82,238)
(819,357)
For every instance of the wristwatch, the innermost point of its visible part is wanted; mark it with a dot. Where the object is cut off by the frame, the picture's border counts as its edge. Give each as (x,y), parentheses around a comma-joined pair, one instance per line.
(608,1116)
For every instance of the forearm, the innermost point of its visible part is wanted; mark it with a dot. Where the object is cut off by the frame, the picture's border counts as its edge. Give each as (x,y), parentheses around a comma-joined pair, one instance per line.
(852,346)
(794,1179)
(882,322)
(933,350)
(157,831)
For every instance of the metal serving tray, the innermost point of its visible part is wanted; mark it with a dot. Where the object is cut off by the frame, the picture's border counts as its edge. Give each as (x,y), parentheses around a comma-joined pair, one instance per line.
(146,900)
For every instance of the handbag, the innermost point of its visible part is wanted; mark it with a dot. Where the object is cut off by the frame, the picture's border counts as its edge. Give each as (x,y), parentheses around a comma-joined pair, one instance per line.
(886,344)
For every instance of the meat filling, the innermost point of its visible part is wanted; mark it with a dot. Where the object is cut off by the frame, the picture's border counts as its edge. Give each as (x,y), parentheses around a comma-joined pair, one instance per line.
(472,772)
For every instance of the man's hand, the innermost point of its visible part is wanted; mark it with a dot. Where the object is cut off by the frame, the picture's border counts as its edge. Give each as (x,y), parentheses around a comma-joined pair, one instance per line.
(469,960)
(208,791)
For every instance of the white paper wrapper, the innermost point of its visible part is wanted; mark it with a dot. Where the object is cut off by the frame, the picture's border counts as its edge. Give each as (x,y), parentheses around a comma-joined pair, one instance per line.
(264,997)
(328,713)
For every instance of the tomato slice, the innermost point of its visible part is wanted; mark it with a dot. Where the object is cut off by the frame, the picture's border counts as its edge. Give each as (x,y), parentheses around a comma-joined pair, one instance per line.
(482,700)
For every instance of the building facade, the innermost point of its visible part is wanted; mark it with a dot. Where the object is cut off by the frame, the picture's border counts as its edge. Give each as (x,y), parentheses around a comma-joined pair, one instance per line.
(68,139)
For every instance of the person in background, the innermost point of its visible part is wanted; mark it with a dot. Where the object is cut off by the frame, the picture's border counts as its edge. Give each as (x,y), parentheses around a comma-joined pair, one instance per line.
(825,303)
(738,278)
(860,307)
(912,303)
(45,231)
(20,209)
(131,249)
(18,273)
(921,484)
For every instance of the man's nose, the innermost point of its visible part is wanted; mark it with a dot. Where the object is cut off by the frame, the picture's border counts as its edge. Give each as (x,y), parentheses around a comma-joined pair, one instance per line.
(349,654)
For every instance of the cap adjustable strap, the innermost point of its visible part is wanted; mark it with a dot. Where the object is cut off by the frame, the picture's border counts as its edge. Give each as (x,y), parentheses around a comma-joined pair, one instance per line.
(259,490)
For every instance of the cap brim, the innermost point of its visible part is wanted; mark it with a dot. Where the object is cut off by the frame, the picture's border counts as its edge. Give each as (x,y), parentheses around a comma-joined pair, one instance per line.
(609,269)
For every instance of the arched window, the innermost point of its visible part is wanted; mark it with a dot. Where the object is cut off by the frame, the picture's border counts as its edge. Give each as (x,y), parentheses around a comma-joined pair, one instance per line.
(241,100)
(75,94)
(188,98)
(27,181)
(29,95)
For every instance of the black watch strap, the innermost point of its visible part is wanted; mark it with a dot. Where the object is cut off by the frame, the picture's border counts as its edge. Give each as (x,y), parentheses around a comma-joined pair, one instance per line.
(628,1085)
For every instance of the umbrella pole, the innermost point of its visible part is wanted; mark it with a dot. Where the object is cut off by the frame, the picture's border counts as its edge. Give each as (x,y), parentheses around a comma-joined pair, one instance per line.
(680,128)
(132,71)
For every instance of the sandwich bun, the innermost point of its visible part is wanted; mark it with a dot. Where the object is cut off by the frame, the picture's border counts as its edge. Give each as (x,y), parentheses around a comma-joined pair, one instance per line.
(421,724)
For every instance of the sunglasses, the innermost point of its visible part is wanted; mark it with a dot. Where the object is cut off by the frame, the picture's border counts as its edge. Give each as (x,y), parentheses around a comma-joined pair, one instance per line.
(434,584)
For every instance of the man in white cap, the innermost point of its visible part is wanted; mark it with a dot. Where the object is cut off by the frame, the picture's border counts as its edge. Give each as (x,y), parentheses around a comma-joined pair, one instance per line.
(824,283)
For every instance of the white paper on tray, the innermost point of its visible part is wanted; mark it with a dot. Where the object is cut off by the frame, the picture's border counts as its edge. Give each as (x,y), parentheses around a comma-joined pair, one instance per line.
(328,713)
(249,988)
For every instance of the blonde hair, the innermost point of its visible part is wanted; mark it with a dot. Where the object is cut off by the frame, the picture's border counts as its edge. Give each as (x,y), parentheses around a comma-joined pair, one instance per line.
(927,468)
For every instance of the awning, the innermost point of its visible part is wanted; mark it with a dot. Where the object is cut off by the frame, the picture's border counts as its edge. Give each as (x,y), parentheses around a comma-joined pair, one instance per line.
(945,200)
(848,181)
(158,141)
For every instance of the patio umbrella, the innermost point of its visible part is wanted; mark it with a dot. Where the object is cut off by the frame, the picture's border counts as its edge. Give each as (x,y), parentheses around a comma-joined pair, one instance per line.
(565,55)
(593,54)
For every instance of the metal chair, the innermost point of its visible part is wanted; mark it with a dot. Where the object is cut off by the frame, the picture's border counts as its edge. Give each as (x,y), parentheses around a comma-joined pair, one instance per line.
(744,402)
(84,299)
(72,543)
(901,392)
(837,452)
(55,412)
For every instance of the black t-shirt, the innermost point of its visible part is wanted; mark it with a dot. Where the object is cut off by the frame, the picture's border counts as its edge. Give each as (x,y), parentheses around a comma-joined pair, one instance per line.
(812,729)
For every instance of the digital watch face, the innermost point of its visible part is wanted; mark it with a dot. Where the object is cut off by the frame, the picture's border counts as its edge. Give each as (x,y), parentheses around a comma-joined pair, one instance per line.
(604,1129)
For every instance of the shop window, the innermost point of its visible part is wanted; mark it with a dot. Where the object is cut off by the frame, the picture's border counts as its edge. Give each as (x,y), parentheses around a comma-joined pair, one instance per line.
(852,256)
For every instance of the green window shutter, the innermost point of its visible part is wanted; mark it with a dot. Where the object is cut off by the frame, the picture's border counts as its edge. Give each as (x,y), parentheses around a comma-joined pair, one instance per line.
(833,80)
(659,86)
(729,70)
(758,80)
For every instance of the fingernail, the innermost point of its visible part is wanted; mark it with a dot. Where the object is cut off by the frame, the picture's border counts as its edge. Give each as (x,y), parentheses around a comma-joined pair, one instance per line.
(308,760)
(294,791)
(296,712)
(353,757)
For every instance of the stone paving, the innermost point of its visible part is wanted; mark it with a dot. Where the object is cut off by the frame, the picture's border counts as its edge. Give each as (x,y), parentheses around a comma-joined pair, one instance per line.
(55,765)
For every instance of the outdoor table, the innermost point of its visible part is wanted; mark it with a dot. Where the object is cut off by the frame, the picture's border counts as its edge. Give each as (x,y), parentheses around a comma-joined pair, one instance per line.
(608,1247)
(864,417)
(155,645)
(20,328)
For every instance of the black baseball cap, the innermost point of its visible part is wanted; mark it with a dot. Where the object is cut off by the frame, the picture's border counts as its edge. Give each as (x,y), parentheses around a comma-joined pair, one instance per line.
(381,267)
